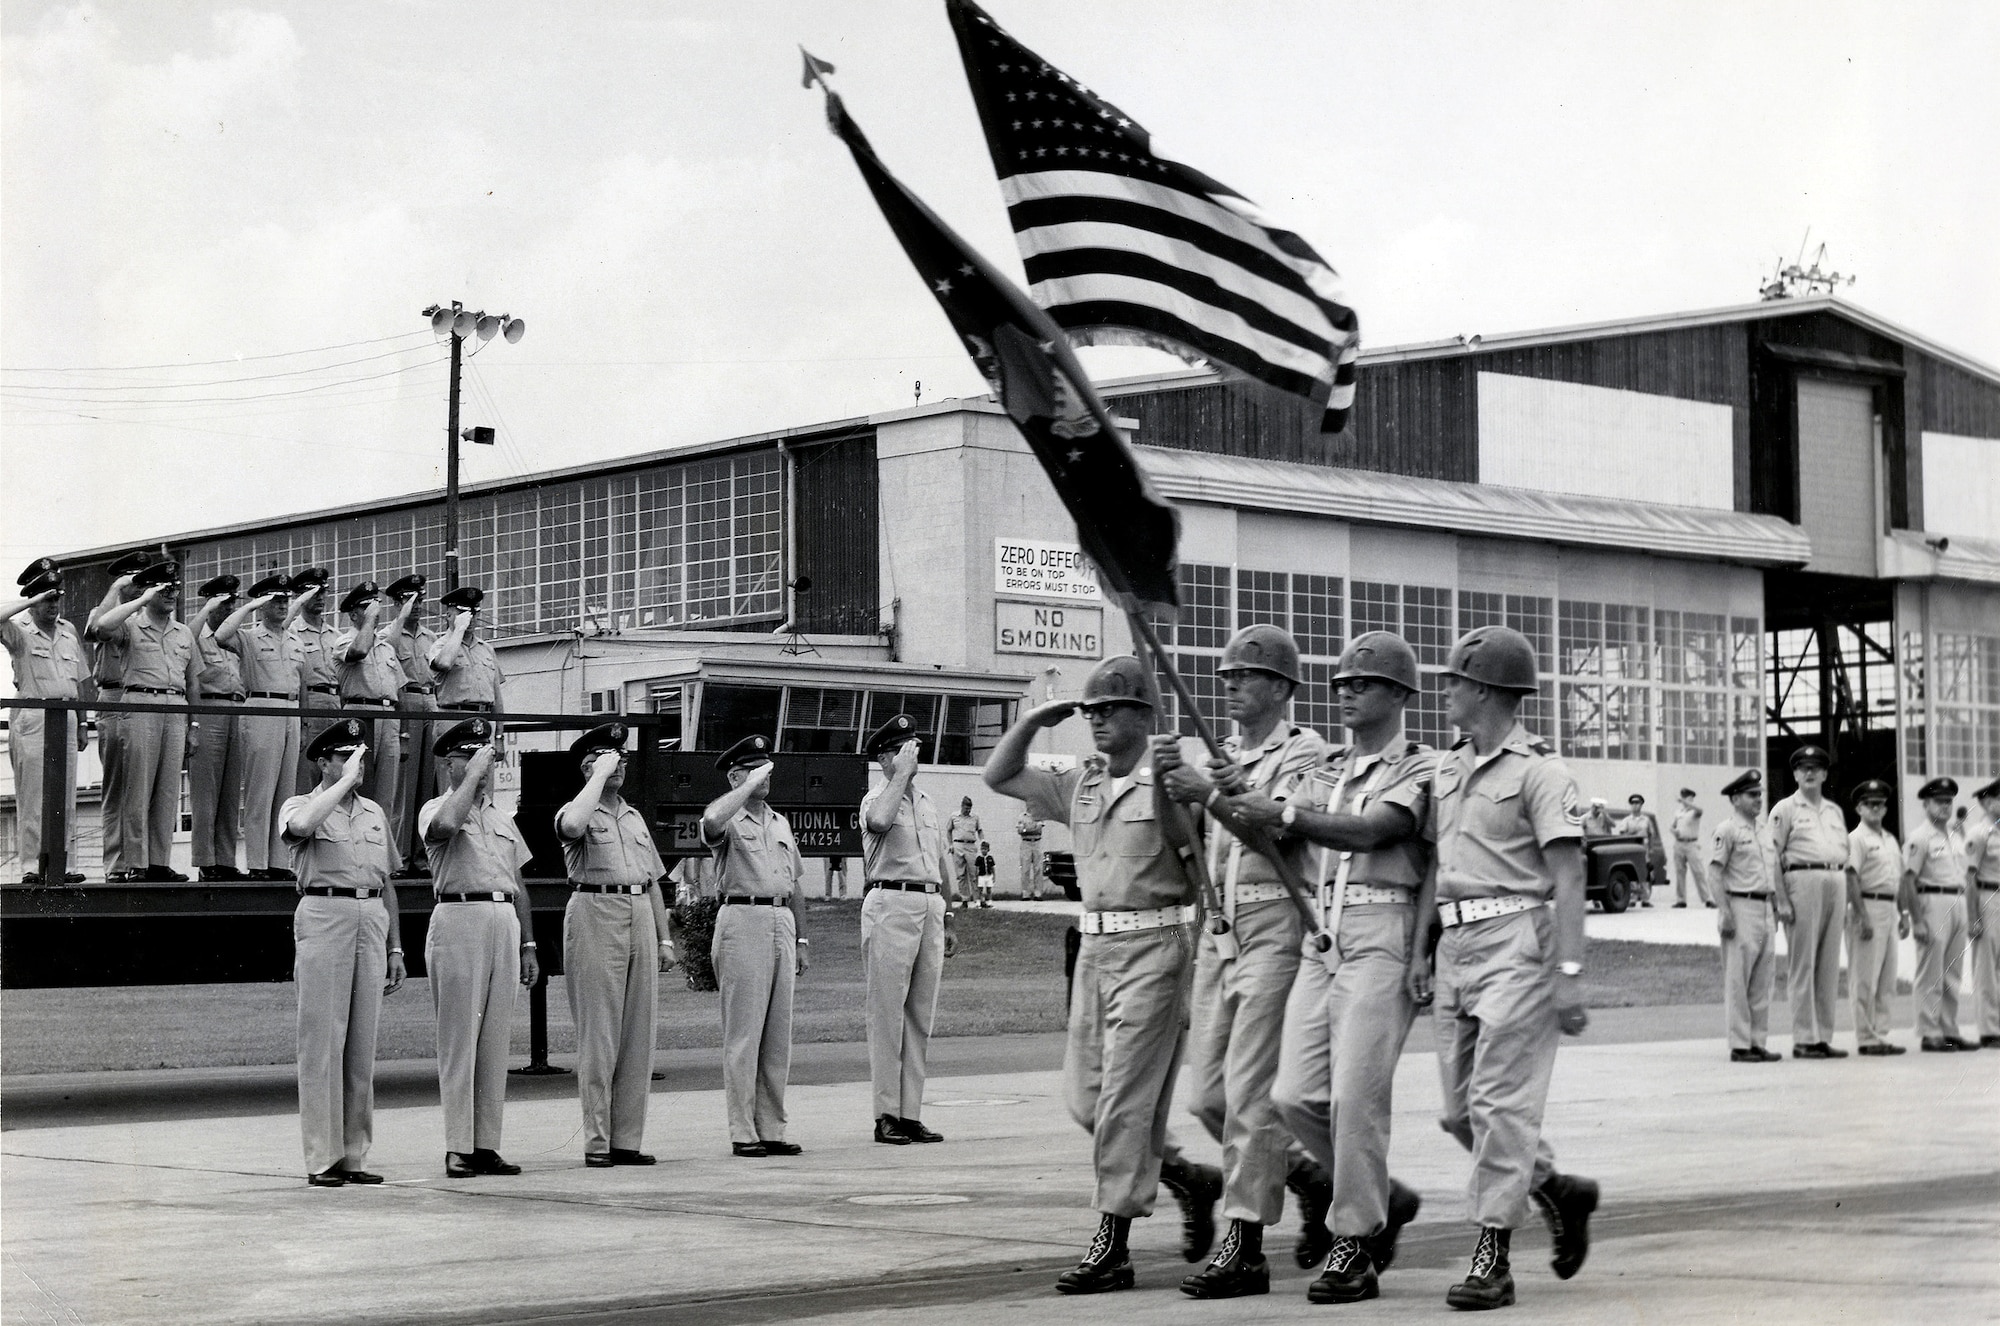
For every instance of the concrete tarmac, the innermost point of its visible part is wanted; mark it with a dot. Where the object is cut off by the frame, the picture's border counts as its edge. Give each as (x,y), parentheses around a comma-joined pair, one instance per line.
(1853,1191)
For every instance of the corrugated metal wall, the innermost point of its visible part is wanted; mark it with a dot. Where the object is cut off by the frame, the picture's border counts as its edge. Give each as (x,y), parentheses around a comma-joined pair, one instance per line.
(835,523)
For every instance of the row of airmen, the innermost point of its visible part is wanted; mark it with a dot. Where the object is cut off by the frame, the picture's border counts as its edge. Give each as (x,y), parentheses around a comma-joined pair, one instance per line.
(274,643)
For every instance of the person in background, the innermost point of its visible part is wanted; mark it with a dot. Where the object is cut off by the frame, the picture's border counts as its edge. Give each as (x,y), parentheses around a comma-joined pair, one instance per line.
(1751,906)
(267,651)
(1876,918)
(965,835)
(156,659)
(1639,820)
(836,877)
(1686,826)
(982,869)
(48,665)
(1809,834)
(107,666)
(215,774)
(1935,885)
(316,641)
(1982,902)
(1030,830)
(414,640)
(1598,822)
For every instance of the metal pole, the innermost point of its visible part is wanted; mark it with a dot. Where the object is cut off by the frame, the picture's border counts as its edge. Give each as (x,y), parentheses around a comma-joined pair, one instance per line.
(57,777)
(451,471)
(538,1032)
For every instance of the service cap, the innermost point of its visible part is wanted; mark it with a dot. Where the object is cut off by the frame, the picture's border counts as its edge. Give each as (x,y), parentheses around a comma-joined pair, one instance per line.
(41,584)
(159,573)
(220,585)
(1496,656)
(607,736)
(895,732)
(1381,654)
(465,596)
(130,564)
(405,586)
(1750,780)
(312,575)
(360,596)
(1120,680)
(1262,647)
(271,584)
(469,735)
(750,750)
(1872,789)
(1811,754)
(1635,800)
(1939,789)
(338,739)
(1992,789)
(1688,792)
(38,568)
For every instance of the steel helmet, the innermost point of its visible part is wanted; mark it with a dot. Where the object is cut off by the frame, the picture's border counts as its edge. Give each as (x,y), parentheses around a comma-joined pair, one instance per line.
(1381,654)
(1495,656)
(1120,680)
(1262,648)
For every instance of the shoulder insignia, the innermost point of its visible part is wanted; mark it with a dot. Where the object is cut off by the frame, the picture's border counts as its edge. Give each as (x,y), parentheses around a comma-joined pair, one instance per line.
(1572,809)
(1462,741)
(1540,746)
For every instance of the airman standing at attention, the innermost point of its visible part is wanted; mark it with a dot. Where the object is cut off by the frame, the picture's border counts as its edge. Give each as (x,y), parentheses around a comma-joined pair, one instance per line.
(48,665)
(316,640)
(414,642)
(349,937)
(1030,830)
(481,945)
(157,662)
(107,663)
(1686,829)
(1750,907)
(615,946)
(757,950)
(1982,901)
(1365,809)
(469,678)
(370,676)
(268,654)
(905,909)
(1509,891)
(1935,886)
(1809,834)
(1238,1008)
(1129,1002)
(1875,917)
(215,774)
(965,836)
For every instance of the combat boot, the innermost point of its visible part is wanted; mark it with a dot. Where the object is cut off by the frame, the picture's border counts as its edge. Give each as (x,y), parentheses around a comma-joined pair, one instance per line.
(1490,1283)
(1566,1202)
(1197,1188)
(1106,1265)
(1404,1204)
(1314,1190)
(1239,1268)
(1348,1277)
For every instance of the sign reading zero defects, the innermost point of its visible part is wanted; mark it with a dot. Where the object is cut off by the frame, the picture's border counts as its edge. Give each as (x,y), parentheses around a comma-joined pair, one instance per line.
(1030,568)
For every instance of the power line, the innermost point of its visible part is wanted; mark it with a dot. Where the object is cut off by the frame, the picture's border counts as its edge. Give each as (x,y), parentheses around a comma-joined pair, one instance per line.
(258,437)
(213,382)
(254,396)
(212,363)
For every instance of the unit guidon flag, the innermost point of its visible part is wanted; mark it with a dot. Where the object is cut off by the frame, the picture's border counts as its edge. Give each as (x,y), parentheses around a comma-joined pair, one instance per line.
(1126,247)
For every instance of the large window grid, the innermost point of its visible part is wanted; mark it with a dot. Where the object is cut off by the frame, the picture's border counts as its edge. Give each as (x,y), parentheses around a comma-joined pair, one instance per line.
(1535,618)
(1216,603)
(1965,690)
(1603,696)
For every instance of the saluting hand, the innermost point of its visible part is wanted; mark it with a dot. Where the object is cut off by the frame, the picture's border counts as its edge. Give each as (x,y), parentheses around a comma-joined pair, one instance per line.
(151,592)
(44,596)
(462,618)
(356,766)
(1050,714)
(397,973)
(904,762)
(261,600)
(759,778)
(309,592)
(604,766)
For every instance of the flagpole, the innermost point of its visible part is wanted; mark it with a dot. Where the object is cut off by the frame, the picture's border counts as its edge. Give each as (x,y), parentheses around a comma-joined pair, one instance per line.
(1256,839)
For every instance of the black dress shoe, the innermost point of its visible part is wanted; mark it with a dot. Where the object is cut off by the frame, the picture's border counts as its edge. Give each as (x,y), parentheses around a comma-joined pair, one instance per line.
(1986,1042)
(1810,1050)
(916,1132)
(1490,1283)
(1961,1043)
(624,1155)
(1769,1056)
(776,1148)
(117,876)
(889,1132)
(164,875)
(360,1176)
(328,1178)
(1566,1202)
(488,1161)
(598,1160)
(1752,1056)
(1197,1188)
(73,877)
(748,1150)
(459,1165)
(1936,1045)
(1828,1051)
(1879,1048)
(1239,1269)
(31,876)
(1404,1203)
(1348,1277)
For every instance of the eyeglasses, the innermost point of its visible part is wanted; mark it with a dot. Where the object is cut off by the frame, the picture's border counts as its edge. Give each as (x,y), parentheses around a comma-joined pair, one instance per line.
(1103,708)
(1355,685)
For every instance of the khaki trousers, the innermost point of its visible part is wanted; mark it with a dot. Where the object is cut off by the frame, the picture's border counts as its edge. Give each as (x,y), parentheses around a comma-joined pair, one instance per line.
(1344,1032)
(1127,1024)
(155,749)
(1688,865)
(24,753)
(111,806)
(415,781)
(1871,971)
(1031,869)
(1986,964)
(1749,965)
(1812,944)
(961,862)
(1940,963)
(270,762)
(1237,1020)
(215,790)
(1496,1035)
(340,966)
(755,953)
(611,968)
(473,953)
(902,951)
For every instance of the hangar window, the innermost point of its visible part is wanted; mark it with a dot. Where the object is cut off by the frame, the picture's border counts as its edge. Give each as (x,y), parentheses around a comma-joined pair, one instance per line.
(1534,617)
(1604,658)
(1697,657)
(1965,683)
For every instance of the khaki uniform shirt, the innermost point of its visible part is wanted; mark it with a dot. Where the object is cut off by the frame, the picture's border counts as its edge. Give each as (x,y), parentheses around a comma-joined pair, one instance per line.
(965,831)
(1687,824)
(913,850)
(1743,850)
(351,849)
(269,659)
(484,856)
(1275,768)
(1029,828)
(221,673)
(1123,860)
(378,676)
(1876,859)
(756,856)
(1982,852)
(616,848)
(1939,862)
(475,677)
(1804,836)
(413,652)
(318,648)
(1493,816)
(1397,775)
(153,654)
(47,666)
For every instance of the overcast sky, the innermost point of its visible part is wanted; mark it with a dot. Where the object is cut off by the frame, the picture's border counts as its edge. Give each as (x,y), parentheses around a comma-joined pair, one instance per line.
(648,186)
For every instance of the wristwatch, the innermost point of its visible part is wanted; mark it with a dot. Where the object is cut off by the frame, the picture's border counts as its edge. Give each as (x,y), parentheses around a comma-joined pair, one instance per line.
(1570,968)
(1289,816)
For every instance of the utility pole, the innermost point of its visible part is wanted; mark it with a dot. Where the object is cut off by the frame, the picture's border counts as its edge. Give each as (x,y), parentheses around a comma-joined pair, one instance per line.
(459,323)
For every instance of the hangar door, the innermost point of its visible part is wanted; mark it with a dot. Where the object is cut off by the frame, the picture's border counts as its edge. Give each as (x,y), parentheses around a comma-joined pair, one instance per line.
(1838,484)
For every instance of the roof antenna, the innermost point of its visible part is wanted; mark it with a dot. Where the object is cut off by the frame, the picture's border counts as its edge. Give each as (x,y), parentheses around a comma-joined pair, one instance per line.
(1799,281)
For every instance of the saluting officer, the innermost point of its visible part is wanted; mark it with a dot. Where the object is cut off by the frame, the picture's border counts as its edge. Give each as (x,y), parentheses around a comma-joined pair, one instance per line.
(1743,883)
(157,662)
(48,665)
(1875,917)
(481,945)
(316,639)
(1509,892)
(414,641)
(1128,1011)
(468,672)
(1809,834)
(107,663)
(268,654)
(757,951)
(1686,827)
(1935,885)
(349,937)
(1982,901)
(905,907)
(614,948)
(1366,808)
(215,774)
(372,677)
(1238,1008)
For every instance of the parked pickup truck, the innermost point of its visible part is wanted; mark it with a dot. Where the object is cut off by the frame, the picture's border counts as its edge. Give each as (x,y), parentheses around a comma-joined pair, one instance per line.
(1615,869)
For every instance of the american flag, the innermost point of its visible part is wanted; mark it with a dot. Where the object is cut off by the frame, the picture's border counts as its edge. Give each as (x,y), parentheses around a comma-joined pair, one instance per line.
(1126,247)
